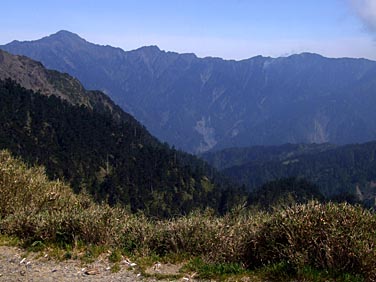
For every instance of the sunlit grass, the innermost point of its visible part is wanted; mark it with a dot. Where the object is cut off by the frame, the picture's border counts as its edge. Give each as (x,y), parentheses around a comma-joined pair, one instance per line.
(312,242)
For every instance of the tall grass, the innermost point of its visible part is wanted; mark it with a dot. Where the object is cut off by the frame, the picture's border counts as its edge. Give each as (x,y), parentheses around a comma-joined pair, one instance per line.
(326,237)
(332,237)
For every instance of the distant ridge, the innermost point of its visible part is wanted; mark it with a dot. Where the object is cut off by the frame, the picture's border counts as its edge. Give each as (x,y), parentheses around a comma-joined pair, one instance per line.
(340,172)
(201,104)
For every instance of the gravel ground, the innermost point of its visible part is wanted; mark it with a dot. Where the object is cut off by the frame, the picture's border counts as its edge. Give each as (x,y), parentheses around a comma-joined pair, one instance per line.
(14,268)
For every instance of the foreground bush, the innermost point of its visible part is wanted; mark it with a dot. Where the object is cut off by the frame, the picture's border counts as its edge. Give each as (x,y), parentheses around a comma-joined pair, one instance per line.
(333,238)
(217,239)
(28,190)
(35,208)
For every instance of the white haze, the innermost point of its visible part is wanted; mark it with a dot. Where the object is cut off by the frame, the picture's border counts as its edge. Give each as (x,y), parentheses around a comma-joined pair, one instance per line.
(366,10)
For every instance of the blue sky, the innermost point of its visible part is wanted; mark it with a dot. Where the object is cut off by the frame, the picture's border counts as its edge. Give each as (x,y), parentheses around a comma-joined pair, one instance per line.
(232,29)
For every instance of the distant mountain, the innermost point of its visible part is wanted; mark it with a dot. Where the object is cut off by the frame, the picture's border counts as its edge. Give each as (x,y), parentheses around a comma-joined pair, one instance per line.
(340,172)
(93,145)
(199,104)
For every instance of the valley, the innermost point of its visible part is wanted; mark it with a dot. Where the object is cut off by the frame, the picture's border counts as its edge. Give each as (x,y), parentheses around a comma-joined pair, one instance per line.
(257,169)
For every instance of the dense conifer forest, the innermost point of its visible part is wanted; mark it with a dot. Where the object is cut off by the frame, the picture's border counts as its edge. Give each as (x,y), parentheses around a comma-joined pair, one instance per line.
(115,161)
(342,173)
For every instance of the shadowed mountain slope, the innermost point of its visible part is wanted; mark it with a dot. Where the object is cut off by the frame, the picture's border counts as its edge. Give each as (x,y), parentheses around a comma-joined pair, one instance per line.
(94,145)
(340,172)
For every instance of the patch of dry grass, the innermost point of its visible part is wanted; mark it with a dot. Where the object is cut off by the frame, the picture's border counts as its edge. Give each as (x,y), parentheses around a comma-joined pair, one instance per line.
(325,237)
(332,237)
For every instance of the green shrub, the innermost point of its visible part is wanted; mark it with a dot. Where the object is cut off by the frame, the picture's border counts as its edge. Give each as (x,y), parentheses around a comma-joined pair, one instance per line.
(115,256)
(210,270)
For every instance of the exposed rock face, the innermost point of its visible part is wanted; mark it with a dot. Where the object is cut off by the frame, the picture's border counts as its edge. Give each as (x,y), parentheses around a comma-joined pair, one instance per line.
(34,76)
(268,101)
(30,74)
(207,133)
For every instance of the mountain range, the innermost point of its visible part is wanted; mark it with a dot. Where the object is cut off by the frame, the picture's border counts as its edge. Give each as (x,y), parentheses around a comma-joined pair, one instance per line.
(201,104)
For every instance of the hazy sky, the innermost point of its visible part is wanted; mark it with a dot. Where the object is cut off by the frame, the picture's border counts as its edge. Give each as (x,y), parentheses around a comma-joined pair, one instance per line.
(232,29)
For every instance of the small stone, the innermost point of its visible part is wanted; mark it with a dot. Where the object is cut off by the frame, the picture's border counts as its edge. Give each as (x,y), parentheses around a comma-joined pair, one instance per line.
(157,266)
(126,262)
(93,271)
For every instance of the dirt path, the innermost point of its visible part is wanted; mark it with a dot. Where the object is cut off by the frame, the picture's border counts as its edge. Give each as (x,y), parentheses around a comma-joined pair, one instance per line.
(14,268)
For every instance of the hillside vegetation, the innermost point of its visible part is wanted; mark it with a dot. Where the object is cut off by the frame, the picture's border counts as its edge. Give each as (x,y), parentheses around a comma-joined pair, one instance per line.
(341,172)
(311,242)
(118,162)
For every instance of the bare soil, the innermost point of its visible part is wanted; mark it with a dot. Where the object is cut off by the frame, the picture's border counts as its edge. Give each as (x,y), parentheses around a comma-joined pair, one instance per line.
(15,266)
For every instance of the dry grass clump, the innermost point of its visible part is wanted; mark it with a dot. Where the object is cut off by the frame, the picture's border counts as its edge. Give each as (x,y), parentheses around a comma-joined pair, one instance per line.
(27,190)
(330,237)
(217,239)
(35,208)
(194,234)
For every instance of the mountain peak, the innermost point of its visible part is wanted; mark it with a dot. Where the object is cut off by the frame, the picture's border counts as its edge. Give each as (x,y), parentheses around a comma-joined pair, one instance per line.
(149,49)
(149,52)
(66,34)
(61,37)
(309,55)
